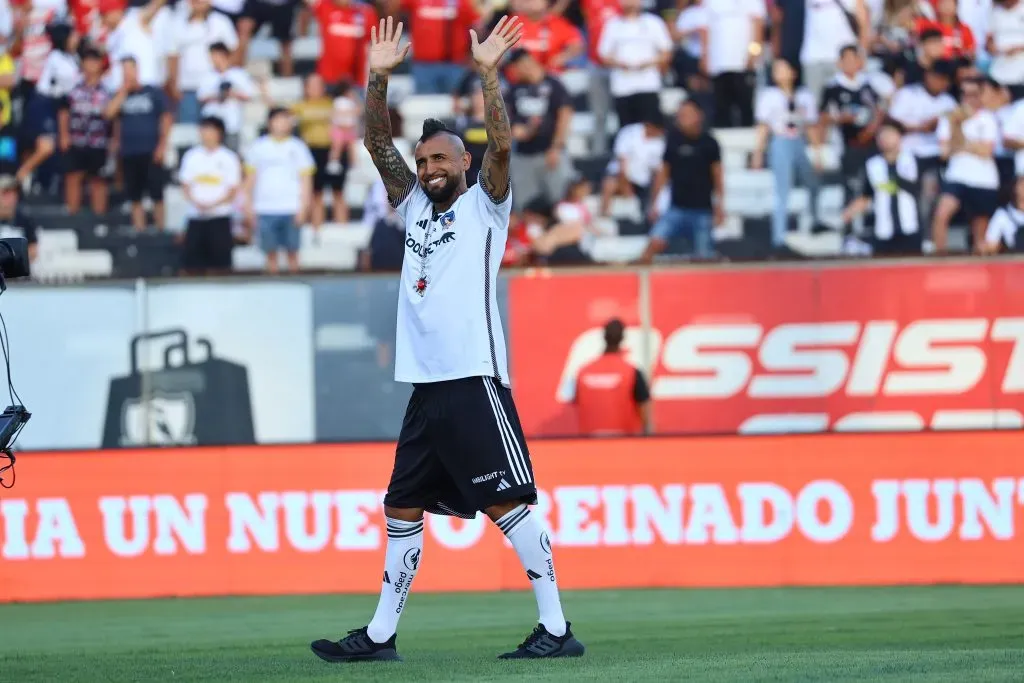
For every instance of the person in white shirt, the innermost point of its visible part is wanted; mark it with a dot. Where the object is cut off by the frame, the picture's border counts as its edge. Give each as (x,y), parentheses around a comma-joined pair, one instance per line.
(142,33)
(733,41)
(638,153)
(689,29)
(210,175)
(968,137)
(1006,45)
(279,188)
(787,118)
(636,47)
(828,26)
(224,90)
(889,186)
(919,108)
(1006,229)
(194,31)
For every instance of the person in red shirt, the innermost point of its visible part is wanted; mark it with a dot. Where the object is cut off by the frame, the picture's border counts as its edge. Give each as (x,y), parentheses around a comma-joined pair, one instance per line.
(551,40)
(87,18)
(957,37)
(344,38)
(612,398)
(440,42)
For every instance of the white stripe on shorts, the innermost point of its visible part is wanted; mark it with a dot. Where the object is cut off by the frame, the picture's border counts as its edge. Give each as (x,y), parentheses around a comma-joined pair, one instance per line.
(515,454)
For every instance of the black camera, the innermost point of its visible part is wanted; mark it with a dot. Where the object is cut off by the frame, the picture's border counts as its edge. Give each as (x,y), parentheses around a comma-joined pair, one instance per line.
(14,263)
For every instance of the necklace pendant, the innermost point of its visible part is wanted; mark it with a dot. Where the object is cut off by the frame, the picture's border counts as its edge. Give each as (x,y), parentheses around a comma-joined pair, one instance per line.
(421,286)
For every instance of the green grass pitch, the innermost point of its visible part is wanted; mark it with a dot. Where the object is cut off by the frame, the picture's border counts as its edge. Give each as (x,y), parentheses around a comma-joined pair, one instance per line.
(943,633)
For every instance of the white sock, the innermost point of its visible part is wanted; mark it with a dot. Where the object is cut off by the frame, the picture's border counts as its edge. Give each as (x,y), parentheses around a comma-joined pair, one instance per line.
(533,546)
(405,545)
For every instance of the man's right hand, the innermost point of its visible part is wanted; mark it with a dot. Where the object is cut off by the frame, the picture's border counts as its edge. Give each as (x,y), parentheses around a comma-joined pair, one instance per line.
(385,50)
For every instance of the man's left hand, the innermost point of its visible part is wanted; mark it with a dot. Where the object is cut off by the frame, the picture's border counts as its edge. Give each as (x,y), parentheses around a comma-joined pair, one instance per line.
(487,55)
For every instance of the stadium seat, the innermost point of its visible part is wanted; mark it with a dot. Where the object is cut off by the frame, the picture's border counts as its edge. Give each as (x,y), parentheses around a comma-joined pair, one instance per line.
(247,258)
(57,242)
(618,249)
(576,81)
(284,91)
(332,257)
(72,265)
(736,139)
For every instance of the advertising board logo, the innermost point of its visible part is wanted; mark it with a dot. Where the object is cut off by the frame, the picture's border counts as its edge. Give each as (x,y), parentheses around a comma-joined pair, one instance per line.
(167,420)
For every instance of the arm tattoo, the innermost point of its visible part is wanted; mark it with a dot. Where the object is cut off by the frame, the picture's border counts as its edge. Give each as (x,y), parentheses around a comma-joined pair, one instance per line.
(494,170)
(395,173)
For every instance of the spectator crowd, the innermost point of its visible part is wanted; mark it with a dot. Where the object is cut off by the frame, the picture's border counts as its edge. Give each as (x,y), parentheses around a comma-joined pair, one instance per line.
(913,106)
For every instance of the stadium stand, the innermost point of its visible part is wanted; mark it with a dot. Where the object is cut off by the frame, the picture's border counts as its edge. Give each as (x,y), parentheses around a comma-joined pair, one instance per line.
(82,245)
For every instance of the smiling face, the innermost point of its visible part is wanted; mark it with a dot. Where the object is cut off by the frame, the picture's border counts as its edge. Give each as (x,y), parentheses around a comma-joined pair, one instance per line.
(441,165)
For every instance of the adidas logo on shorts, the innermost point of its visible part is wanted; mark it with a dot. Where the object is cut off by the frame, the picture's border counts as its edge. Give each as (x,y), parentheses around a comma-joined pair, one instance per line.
(502,485)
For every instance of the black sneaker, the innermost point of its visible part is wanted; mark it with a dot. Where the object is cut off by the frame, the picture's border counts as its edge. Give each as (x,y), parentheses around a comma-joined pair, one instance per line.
(356,647)
(541,644)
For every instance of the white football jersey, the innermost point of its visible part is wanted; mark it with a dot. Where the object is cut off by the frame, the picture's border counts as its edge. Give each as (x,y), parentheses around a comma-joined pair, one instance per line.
(449,326)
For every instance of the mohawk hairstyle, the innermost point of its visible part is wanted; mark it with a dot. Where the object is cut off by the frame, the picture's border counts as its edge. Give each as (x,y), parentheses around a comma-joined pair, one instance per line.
(432,127)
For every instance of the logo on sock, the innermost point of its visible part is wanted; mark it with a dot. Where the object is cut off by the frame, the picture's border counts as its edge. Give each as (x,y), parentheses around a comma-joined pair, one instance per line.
(502,485)
(545,542)
(532,574)
(412,559)
(387,579)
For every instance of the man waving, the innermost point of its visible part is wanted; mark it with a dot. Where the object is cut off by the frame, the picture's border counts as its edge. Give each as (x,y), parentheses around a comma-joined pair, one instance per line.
(461,449)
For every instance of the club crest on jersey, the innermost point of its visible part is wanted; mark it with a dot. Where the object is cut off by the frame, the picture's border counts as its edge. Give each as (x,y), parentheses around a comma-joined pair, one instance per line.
(447,219)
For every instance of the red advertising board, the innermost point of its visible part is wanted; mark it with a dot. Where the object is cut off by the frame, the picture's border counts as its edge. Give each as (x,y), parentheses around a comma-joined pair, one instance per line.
(822,509)
(845,348)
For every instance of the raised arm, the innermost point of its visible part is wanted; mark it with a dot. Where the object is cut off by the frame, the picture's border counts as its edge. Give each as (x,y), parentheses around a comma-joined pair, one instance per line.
(385,55)
(494,169)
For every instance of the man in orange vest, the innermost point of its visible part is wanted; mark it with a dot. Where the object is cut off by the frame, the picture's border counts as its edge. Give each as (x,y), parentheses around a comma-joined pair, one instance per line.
(612,398)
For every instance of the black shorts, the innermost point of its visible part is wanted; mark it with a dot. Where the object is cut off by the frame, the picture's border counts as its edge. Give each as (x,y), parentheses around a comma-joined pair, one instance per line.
(976,202)
(87,160)
(280,17)
(898,245)
(461,450)
(322,180)
(143,176)
(208,244)
(633,108)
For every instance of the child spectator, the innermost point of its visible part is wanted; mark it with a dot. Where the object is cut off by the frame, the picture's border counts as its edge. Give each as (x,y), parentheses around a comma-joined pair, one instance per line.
(85,139)
(194,33)
(144,121)
(279,188)
(210,177)
(313,116)
(223,90)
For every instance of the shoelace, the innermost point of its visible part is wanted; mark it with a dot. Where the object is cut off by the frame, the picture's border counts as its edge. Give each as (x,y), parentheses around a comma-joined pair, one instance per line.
(536,635)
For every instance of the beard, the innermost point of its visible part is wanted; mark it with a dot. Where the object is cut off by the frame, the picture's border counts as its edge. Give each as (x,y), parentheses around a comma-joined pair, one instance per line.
(440,195)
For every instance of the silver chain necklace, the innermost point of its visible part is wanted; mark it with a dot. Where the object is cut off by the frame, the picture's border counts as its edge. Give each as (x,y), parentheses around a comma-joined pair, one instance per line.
(422,281)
